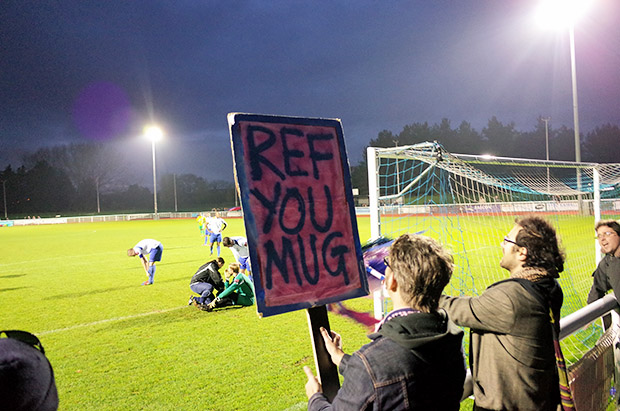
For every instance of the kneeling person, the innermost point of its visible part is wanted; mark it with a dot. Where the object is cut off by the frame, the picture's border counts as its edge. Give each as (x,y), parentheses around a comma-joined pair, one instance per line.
(239,289)
(206,280)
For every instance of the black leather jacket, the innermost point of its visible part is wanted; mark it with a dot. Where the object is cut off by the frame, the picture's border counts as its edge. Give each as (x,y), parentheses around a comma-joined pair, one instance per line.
(209,273)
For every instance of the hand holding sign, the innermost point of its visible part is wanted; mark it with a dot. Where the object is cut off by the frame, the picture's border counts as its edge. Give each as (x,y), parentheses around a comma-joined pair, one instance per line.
(333,344)
(313,385)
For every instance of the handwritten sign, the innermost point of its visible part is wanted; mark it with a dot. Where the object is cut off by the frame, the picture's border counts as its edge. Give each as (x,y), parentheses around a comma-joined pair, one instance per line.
(299,215)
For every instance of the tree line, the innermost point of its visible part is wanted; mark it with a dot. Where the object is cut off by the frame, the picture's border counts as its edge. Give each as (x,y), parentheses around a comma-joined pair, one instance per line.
(84,179)
(92,178)
(502,140)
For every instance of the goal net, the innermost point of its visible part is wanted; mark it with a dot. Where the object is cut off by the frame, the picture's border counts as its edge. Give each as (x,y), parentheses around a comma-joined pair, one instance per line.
(469,203)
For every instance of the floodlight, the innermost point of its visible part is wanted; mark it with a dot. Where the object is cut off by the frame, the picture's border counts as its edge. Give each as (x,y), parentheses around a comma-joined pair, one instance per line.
(153,133)
(561,14)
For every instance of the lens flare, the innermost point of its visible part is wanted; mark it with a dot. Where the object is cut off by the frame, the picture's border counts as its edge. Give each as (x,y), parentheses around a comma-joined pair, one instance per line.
(102,111)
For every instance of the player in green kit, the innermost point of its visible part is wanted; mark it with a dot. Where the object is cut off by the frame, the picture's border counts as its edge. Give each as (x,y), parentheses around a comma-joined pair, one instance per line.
(239,289)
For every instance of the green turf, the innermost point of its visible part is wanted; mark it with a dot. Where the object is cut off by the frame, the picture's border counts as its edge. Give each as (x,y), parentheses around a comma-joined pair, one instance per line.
(117,345)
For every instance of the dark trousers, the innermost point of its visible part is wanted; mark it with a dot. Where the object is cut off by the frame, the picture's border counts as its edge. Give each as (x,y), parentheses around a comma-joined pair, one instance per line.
(205,290)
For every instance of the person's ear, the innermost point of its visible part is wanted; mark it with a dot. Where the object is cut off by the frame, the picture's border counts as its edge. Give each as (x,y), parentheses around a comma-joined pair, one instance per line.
(522,254)
(390,283)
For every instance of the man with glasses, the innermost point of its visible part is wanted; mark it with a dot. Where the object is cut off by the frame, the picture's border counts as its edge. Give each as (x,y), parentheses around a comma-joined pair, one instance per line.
(512,356)
(26,376)
(607,273)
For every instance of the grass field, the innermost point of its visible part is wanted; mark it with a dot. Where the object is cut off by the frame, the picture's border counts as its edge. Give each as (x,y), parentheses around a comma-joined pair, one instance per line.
(115,344)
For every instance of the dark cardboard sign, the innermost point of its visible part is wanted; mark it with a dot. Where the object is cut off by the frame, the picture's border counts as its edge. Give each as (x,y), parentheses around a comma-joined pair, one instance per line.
(299,215)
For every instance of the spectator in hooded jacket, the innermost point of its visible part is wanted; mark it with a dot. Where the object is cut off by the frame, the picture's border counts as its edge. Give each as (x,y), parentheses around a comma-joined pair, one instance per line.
(415,359)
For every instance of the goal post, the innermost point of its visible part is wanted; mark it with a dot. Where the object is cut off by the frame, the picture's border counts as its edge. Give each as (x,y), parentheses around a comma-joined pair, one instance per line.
(469,202)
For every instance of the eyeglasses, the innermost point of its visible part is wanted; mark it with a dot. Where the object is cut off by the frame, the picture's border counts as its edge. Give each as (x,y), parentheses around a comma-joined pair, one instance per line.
(386,262)
(605,234)
(24,337)
(508,240)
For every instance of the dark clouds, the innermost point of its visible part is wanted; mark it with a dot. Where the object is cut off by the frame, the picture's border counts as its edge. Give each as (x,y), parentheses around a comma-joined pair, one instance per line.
(376,65)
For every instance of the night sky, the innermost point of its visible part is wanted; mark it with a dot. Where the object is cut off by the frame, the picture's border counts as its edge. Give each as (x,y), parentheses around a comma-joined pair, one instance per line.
(77,70)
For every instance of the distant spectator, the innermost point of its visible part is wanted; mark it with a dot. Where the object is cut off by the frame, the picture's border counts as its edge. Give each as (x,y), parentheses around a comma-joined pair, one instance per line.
(26,376)
(154,249)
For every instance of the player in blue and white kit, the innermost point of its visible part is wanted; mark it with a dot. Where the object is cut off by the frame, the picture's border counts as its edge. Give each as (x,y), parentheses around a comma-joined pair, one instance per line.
(215,225)
(239,248)
(154,249)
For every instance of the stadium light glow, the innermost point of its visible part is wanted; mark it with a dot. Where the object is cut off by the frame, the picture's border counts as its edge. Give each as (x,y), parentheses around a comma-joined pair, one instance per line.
(154,133)
(563,14)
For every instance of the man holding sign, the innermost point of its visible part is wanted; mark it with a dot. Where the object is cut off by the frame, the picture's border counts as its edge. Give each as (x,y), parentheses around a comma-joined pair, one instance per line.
(415,360)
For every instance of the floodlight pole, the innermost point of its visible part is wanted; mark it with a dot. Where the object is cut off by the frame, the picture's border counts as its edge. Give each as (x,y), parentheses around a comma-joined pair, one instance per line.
(155,216)
(568,13)
(546,120)
(575,111)
(154,133)
(397,170)
(575,102)
(174,181)
(4,196)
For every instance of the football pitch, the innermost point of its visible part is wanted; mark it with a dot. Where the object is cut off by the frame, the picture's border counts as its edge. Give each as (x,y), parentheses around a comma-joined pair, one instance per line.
(115,344)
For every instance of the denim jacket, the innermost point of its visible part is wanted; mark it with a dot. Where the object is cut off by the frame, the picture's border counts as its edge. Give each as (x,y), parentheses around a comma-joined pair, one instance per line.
(413,362)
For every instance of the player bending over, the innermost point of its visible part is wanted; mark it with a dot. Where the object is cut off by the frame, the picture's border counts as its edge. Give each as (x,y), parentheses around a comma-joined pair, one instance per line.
(154,249)
(239,248)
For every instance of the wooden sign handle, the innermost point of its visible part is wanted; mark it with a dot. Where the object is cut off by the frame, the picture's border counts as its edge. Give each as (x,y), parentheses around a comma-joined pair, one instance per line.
(326,369)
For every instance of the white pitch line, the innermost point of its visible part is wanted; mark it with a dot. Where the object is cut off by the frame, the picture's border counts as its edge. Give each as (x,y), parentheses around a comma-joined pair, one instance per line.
(298,406)
(109,320)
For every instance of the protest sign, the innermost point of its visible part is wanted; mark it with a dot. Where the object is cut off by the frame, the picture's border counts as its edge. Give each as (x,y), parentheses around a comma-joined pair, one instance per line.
(294,181)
